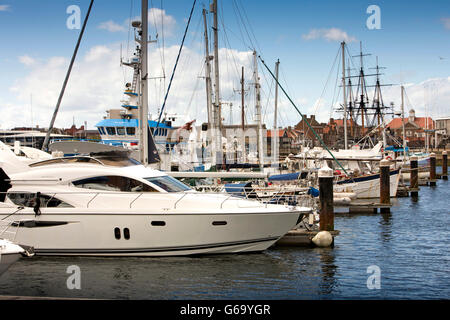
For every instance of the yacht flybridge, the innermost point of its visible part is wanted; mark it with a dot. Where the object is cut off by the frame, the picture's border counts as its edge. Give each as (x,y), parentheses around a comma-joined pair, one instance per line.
(114,206)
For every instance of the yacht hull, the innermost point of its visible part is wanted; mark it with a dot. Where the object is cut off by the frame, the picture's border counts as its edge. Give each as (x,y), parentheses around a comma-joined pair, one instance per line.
(369,186)
(139,234)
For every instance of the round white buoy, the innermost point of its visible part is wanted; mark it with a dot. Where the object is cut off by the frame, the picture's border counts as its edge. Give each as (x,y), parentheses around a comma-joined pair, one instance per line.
(323,239)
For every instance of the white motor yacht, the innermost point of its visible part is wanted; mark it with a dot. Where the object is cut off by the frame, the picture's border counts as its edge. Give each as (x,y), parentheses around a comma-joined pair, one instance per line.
(114,206)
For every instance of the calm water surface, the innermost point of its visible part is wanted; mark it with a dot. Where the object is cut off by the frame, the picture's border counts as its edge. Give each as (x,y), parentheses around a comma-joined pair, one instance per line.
(410,246)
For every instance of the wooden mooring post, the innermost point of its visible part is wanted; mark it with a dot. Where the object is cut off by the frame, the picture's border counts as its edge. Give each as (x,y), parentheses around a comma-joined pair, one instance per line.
(326,199)
(385,192)
(432,180)
(414,180)
(444,166)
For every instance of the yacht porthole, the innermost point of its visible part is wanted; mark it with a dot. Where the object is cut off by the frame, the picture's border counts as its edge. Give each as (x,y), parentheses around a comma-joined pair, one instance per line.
(219,223)
(126,233)
(158,223)
(117,233)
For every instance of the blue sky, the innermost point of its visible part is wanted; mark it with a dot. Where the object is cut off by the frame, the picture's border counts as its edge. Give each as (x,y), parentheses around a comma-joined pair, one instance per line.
(413,44)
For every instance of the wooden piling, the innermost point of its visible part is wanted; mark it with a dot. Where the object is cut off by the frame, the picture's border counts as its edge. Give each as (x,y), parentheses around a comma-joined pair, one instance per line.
(444,166)
(385,193)
(326,199)
(432,169)
(414,181)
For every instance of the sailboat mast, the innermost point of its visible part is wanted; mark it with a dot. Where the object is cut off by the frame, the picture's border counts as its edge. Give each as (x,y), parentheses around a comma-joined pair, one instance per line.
(242,101)
(208,74)
(143,122)
(351,102)
(277,66)
(243,115)
(362,102)
(344,95)
(258,113)
(403,123)
(217,129)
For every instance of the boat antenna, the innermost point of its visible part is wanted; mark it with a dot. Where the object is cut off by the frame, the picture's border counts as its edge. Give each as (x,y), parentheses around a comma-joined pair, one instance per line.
(61,94)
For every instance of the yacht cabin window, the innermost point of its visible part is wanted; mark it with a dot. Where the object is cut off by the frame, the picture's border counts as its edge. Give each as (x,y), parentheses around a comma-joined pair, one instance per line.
(121,131)
(113,183)
(131,131)
(168,184)
(28,199)
(111,131)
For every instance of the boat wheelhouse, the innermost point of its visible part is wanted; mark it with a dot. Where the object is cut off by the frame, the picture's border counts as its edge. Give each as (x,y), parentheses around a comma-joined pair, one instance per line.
(120,132)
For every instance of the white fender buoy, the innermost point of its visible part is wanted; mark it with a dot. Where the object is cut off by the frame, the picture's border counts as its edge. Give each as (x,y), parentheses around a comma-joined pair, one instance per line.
(323,239)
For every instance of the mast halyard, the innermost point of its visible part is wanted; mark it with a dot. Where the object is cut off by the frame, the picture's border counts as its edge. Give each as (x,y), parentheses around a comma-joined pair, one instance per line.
(275,116)
(344,96)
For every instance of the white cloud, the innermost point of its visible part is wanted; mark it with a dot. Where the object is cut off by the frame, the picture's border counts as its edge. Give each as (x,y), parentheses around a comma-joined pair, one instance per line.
(97,81)
(331,34)
(446,22)
(27,60)
(5,7)
(111,26)
(160,22)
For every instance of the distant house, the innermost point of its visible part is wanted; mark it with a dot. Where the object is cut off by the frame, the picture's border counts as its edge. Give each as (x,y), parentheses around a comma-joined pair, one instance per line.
(309,134)
(289,140)
(81,133)
(416,129)
(443,131)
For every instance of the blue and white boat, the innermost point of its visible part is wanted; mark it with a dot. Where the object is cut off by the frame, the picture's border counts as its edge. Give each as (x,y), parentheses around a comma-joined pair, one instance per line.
(120,127)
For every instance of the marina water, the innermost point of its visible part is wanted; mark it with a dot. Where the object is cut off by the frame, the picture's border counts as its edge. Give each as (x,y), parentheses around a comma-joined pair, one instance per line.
(410,246)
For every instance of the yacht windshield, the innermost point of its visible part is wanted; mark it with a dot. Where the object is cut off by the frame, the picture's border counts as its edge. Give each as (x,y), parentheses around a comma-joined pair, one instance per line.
(168,183)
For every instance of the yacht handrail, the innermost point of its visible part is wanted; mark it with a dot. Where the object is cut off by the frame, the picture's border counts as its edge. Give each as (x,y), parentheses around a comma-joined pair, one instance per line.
(95,196)
(181,196)
(221,205)
(131,203)
(175,204)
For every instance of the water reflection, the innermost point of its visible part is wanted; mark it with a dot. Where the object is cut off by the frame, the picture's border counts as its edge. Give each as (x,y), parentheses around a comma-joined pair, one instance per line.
(329,268)
(386,226)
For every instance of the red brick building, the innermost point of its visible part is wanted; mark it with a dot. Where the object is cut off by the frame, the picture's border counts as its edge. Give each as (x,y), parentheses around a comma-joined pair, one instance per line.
(414,129)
